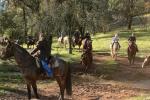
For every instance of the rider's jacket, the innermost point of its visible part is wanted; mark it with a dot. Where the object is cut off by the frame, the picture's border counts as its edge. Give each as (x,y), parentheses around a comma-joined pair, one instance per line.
(44,48)
(87,45)
(76,34)
(115,39)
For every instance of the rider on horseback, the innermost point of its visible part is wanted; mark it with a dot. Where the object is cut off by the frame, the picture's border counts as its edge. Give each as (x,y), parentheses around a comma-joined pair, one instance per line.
(132,39)
(87,46)
(115,39)
(44,48)
(76,36)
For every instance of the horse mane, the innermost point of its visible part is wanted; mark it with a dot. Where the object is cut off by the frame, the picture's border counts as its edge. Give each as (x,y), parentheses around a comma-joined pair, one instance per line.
(22,50)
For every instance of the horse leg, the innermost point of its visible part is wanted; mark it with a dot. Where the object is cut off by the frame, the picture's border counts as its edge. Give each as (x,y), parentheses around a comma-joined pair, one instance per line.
(129,58)
(116,56)
(34,86)
(29,91)
(61,83)
(133,59)
(111,53)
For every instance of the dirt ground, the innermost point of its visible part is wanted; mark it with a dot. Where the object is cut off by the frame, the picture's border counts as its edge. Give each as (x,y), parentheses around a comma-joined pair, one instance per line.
(126,82)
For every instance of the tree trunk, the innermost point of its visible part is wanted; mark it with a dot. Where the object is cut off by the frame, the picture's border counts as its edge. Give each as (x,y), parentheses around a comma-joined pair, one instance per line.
(129,22)
(50,42)
(70,42)
(25,21)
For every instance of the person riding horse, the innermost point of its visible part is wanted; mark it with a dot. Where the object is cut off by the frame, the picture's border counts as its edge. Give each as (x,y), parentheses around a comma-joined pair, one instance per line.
(44,48)
(76,36)
(87,47)
(132,39)
(115,39)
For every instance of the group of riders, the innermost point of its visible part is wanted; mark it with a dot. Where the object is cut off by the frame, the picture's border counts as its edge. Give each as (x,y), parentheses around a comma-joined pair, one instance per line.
(42,50)
(43,47)
(131,41)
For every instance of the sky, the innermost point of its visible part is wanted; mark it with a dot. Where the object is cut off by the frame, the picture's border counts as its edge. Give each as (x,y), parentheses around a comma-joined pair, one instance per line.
(1,5)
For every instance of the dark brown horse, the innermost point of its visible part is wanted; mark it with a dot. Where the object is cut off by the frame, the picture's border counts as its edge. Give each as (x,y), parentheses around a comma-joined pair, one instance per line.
(87,57)
(32,73)
(131,52)
(77,41)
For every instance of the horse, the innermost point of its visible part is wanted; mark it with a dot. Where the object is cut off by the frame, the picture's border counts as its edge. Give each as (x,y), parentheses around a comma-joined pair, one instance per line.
(77,41)
(63,41)
(131,51)
(32,73)
(114,50)
(146,61)
(87,57)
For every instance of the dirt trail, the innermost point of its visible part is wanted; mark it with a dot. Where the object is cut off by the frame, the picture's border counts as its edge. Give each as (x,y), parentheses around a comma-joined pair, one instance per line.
(128,81)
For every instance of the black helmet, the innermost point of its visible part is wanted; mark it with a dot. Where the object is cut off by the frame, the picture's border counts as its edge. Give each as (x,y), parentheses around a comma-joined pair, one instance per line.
(87,34)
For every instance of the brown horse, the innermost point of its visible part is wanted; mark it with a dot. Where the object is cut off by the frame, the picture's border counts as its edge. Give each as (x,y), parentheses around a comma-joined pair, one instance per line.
(131,51)
(87,57)
(32,73)
(77,41)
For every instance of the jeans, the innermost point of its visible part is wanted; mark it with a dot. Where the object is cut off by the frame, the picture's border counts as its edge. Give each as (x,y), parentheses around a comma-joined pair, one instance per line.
(46,68)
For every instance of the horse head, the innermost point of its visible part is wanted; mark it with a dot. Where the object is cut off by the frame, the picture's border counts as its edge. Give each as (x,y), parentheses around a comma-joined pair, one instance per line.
(146,61)
(7,51)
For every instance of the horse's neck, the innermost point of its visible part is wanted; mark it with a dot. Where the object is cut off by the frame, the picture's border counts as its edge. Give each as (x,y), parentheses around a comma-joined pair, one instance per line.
(115,46)
(21,55)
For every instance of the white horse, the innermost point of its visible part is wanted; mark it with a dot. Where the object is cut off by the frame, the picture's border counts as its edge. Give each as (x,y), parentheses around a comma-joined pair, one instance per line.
(114,50)
(63,41)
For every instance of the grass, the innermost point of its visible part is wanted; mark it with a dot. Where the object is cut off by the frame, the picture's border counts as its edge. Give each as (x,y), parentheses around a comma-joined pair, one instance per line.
(101,43)
(142,97)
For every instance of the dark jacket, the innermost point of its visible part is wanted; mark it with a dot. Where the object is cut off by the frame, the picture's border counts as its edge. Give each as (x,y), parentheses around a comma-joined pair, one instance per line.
(87,46)
(44,48)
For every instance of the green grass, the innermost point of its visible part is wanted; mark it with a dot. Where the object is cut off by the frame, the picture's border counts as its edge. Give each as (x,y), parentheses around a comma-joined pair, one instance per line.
(142,97)
(101,43)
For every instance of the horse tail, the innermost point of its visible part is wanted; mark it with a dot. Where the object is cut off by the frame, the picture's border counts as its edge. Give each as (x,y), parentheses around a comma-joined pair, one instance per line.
(68,81)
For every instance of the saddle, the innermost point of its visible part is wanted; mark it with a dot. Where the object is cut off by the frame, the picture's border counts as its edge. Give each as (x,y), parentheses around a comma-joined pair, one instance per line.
(53,64)
(132,46)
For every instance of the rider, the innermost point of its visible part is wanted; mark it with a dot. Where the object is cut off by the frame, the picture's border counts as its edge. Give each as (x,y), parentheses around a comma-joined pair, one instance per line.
(132,39)
(87,47)
(44,48)
(76,36)
(115,39)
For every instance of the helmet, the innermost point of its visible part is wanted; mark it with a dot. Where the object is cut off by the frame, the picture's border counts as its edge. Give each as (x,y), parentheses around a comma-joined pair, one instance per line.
(116,35)
(87,34)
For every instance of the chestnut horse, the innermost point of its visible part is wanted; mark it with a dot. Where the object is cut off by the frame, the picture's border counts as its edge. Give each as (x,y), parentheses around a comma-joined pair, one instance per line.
(32,73)
(131,51)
